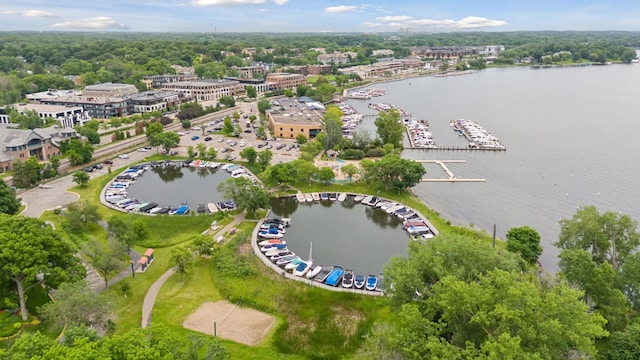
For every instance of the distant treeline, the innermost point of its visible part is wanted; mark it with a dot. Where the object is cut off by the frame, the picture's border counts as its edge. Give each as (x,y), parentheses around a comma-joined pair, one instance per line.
(36,61)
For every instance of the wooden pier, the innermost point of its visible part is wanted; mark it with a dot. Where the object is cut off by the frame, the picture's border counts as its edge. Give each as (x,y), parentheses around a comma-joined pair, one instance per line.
(451,176)
(451,148)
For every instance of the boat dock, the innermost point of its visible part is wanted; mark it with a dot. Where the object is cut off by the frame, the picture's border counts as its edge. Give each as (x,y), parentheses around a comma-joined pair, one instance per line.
(451,176)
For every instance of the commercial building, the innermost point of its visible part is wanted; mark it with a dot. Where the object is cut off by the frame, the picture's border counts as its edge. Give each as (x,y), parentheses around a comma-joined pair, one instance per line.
(95,107)
(248,72)
(260,85)
(20,144)
(206,89)
(67,116)
(289,118)
(156,81)
(109,90)
(337,58)
(155,100)
(286,80)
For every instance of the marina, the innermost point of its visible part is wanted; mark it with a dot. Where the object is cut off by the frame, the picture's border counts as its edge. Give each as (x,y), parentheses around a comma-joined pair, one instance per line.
(270,245)
(451,177)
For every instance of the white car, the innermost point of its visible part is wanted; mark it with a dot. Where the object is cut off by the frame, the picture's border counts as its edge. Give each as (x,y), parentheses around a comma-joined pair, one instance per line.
(123,156)
(142,150)
(195,128)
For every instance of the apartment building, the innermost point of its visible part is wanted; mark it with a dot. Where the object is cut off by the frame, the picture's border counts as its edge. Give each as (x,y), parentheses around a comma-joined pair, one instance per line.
(20,144)
(286,80)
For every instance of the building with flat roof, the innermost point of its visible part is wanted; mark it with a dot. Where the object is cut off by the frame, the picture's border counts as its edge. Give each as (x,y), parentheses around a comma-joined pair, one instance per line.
(286,80)
(260,85)
(96,107)
(289,118)
(67,116)
(52,94)
(109,90)
(18,144)
(156,81)
(155,100)
(206,89)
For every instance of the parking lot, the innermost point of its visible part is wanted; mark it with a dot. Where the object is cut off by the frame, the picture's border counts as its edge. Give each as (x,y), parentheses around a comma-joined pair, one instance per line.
(228,146)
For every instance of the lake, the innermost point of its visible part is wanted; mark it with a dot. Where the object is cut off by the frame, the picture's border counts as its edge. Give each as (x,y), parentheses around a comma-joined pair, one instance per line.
(571,136)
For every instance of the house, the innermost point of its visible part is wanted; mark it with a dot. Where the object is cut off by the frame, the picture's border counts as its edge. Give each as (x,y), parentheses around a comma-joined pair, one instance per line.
(67,116)
(289,118)
(18,144)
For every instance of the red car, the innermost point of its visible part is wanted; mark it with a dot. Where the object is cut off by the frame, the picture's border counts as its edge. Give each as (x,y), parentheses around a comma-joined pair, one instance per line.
(108,162)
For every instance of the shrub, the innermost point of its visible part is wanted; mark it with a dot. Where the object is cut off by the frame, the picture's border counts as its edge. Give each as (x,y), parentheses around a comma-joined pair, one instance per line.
(376,152)
(352,154)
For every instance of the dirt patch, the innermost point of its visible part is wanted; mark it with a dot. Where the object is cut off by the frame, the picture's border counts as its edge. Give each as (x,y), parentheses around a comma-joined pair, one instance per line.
(242,325)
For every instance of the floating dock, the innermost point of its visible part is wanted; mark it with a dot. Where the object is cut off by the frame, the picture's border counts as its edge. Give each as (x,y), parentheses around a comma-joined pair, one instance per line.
(451,176)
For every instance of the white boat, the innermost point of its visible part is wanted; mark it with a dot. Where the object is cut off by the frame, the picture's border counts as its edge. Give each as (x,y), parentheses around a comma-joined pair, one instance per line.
(300,197)
(394,208)
(315,196)
(271,242)
(277,252)
(269,235)
(293,264)
(270,247)
(212,207)
(313,272)
(358,198)
(286,259)
(308,197)
(388,205)
(366,200)
(342,197)
(302,268)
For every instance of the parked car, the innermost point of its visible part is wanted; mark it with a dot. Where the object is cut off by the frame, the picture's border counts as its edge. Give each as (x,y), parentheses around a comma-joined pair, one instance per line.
(123,156)
(147,147)
(142,150)
(97,166)
(108,162)
(208,138)
(195,137)
(280,146)
(88,169)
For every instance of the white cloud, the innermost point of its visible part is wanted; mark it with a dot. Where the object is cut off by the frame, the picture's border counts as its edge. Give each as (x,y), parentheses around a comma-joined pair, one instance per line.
(340,9)
(8,12)
(370,24)
(100,22)
(280,2)
(469,22)
(395,18)
(38,13)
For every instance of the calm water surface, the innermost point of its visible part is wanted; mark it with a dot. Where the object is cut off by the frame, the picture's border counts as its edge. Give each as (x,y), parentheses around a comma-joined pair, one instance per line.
(175,185)
(571,137)
(347,233)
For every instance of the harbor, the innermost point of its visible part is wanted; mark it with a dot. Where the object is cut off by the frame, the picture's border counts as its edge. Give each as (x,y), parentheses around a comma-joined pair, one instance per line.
(274,243)
(451,177)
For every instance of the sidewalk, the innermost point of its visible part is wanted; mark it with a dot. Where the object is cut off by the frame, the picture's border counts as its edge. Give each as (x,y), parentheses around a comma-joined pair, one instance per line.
(152,293)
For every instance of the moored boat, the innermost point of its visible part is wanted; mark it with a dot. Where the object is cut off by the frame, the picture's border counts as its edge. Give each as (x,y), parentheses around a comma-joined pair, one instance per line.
(286,259)
(302,268)
(323,274)
(212,207)
(372,282)
(308,197)
(342,197)
(359,281)
(283,221)
(269,235)
(277,252)
(315,196)
(300,197)
(183,209)
(313,272)
(358,198)
(335,276)
(271,242)
(278,256)
(347,279)
(324,196)
(266,248)
(333,196)
(293,264)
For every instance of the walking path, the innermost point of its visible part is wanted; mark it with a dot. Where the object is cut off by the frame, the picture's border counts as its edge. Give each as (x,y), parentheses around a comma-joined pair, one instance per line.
(152,293)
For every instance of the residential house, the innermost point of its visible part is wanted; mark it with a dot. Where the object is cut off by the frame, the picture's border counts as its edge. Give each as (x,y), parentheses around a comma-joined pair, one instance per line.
(20,144)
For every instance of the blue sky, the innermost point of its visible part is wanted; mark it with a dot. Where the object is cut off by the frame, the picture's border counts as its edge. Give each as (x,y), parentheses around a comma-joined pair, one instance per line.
(317,16)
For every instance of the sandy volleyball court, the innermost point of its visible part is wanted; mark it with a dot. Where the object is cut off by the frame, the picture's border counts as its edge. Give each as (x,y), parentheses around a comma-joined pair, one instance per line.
(242,325)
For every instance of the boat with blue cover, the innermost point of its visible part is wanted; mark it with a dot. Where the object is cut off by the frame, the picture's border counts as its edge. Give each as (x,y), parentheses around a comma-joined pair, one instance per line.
(335,276)
(183,209)
(359,281)
(372,282)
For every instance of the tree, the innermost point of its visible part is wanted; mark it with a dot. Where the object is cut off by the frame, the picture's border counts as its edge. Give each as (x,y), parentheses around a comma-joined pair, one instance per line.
(263,106)
(247,195)
(75,303)
(9,204)
(201,148)
(204,246)
(264,158)
(167,140)
(30,346)
(121,231)
(389,128)
(394,172)
(526,242)
(235,115)
(153,129)
(227,101)
(181,259)
(211,153)
(624,345)
(81,213)
(282,173)
(252,93)
(361,138)
(81,178)
(27,173)
(227,126)
(91,134)
(29,250)
(78,152)
(107,258)
(191,151)
(140,230)
(350,170)
(326,175)
(333,126)
(250,154)
(301,139)
(609,237)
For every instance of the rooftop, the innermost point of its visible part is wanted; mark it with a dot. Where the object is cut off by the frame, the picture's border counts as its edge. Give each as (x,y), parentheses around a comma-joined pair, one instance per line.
(290,111)
(40,108)
(108,86)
